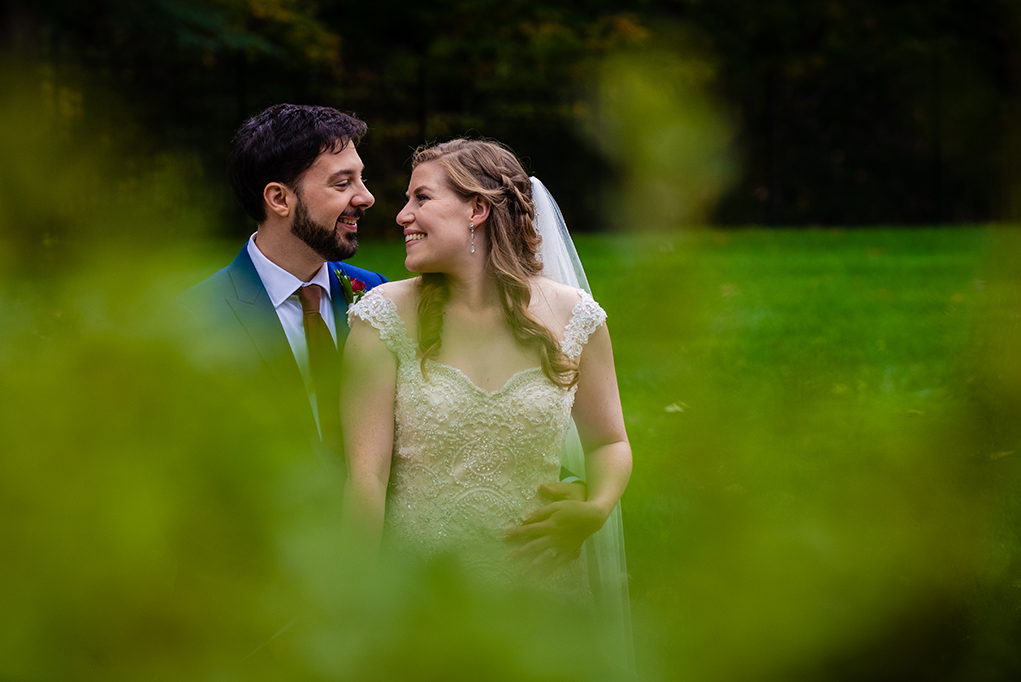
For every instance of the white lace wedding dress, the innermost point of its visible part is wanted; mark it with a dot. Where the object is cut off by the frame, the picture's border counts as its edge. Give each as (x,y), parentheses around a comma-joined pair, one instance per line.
(467,463)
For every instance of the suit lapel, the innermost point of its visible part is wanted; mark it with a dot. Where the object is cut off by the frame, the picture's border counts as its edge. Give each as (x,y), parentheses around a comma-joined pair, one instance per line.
(256,314)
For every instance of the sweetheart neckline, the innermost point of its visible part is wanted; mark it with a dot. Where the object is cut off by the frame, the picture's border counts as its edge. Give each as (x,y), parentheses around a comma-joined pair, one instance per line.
(478,388)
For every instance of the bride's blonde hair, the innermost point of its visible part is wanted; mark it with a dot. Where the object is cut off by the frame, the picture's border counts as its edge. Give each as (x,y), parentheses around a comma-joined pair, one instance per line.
(490,171)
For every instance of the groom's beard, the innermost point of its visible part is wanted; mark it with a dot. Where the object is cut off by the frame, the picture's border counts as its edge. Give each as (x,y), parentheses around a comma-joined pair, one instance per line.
(329,241)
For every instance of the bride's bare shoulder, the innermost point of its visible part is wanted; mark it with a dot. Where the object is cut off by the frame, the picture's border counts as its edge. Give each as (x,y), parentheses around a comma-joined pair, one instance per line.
(399,289)
(554,300)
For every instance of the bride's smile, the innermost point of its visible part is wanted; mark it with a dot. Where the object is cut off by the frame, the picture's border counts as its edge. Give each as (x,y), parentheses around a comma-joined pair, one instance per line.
(438,224)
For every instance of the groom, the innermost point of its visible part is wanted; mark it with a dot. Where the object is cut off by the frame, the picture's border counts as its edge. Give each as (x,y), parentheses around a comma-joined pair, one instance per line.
(280,308)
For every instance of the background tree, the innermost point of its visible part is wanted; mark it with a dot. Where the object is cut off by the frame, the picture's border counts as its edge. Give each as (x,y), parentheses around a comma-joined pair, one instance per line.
(847,112)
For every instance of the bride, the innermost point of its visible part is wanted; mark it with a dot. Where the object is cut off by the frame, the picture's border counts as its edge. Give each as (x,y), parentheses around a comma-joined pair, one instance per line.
(461,384)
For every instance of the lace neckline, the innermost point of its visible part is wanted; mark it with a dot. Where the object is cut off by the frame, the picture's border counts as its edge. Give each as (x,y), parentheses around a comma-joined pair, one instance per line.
(381,313)
(511,381)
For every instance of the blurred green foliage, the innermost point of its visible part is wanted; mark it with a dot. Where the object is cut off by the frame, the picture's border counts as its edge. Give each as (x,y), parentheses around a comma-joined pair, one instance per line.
(824,425)
(653,119)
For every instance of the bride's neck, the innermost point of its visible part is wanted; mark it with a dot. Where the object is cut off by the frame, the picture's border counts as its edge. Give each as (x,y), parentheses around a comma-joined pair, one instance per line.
(476,292)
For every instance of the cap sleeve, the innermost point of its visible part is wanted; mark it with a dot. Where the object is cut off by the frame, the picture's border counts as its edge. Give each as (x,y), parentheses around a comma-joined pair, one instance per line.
(586,317)
(380,312)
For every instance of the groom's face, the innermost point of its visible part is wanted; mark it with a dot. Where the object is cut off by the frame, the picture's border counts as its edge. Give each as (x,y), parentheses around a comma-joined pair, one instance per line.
(331,197)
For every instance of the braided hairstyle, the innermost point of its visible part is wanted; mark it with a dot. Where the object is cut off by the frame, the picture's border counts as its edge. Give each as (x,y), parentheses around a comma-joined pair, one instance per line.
(490,171)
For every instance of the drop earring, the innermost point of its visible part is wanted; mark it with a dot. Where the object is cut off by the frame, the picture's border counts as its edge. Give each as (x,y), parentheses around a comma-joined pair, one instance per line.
(472,226)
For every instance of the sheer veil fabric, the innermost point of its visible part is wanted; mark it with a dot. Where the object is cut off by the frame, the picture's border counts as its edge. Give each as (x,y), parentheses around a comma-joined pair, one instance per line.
(605,549)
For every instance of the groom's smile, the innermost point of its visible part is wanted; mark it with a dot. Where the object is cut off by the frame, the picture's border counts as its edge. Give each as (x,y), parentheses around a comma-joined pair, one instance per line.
(332,185)
(347,224)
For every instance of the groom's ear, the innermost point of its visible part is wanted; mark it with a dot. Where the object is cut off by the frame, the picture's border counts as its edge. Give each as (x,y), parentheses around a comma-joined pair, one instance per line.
(480,210)
(279,198)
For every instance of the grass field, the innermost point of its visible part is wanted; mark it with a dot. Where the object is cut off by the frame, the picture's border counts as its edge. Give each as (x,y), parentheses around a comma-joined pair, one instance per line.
(811,489)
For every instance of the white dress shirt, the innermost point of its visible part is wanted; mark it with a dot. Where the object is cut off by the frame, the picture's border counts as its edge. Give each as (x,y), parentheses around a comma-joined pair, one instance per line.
(281,287)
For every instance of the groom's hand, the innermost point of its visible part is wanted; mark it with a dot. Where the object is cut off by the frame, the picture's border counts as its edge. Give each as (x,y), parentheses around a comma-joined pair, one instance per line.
(554,534)
(564,491)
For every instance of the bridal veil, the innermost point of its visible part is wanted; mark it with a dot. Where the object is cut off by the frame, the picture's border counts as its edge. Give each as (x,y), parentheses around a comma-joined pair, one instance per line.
(605,549)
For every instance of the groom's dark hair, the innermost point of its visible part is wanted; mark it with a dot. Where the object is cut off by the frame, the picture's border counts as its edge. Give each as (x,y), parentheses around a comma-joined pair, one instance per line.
(280,144)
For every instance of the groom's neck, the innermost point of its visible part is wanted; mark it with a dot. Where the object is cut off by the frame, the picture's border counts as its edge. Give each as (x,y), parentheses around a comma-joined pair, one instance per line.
(288,252)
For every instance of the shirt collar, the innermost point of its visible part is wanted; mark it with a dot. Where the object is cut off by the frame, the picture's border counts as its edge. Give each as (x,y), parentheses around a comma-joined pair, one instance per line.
(279,283)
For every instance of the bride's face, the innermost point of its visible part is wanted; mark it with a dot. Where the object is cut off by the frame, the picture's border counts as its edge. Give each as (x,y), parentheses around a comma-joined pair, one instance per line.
(436,220)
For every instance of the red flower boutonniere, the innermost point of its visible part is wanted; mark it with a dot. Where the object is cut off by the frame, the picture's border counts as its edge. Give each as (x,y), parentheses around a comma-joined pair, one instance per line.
(353,288)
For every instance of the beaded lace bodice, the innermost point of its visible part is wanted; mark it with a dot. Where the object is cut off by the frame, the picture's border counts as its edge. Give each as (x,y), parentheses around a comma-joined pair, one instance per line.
(467,463)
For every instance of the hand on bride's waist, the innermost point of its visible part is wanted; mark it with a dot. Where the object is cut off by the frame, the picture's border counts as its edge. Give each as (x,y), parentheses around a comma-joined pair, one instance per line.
(553,535)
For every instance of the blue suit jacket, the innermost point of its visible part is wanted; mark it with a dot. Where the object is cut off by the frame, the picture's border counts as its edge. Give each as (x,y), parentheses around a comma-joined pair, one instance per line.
(233,305)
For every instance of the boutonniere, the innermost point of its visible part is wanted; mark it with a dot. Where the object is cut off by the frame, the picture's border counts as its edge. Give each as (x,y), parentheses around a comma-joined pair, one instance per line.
(353,288)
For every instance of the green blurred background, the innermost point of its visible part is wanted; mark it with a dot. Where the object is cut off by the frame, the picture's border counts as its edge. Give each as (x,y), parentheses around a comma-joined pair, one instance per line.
(825,420)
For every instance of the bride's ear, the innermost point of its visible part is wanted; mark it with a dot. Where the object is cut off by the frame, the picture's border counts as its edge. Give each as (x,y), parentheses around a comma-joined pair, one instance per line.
(480,210)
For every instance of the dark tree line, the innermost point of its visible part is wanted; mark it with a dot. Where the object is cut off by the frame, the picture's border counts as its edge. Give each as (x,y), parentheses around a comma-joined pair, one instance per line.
(864,111)
(847,111)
